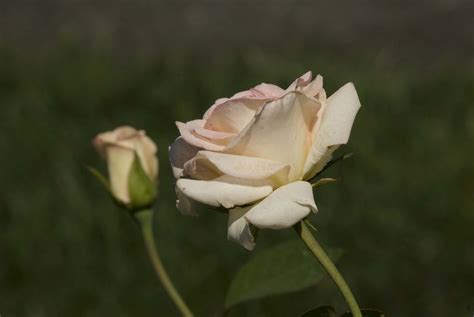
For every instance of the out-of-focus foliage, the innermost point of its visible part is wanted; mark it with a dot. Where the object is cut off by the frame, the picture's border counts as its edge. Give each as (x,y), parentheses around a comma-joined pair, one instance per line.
(402,209)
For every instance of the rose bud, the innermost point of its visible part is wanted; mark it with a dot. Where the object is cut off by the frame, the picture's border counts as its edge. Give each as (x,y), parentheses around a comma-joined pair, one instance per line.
(132,166)
(254,153)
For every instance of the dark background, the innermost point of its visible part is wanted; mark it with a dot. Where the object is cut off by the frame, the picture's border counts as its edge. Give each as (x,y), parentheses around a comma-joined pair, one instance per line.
(403,209)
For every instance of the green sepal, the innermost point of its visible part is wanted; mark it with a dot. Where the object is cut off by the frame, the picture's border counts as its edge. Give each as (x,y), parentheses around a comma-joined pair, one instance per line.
(100,177)
(141,188)
(323,181)
(329,164)
(336,160)
(309,224)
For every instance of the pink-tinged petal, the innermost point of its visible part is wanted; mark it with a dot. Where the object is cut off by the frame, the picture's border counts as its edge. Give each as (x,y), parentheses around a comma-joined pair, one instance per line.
(243,94)
(180,152)
(211,109)
(301,81)
(214,135)
(122,136)
(283,208)
(269,90)
(334,129)
(239,228)
(313,88)
(282,132)
(209,165)
(217,194)
(233,115)
(186,130)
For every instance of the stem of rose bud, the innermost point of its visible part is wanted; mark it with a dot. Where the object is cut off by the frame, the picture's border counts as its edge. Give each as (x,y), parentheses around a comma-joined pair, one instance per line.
(305,234)
(145,219)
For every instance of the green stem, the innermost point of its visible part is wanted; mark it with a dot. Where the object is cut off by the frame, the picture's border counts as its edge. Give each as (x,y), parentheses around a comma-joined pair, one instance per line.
(305,234)
(145,219)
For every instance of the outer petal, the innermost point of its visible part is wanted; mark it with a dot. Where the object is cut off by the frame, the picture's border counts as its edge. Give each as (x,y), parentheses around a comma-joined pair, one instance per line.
(216,193)
(179,153)
(301,81)
(209,111)
(282,132)
(334,129)
(119,162)
(214,135)
(187,129)
(146,151)
(209,165)
(123,136)
(269,90)
(239,228)
(284,207)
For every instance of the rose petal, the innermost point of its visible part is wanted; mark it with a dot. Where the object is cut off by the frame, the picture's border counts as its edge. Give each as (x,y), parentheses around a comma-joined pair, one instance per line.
(146,151)
(282,132)
(301,81)
(284,207)
(119,162)
(209,165)
(239,228)
(269,90)
(334,129)
(179,153)
(217,194)
(121,136)
(214,135)
(243,94)
(233,115)
(186,129)
(313,88)
(209,111)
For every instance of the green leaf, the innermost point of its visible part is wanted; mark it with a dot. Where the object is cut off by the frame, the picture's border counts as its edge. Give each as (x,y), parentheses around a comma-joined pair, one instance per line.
(336,160)
(141,188)
(287,267)
(329,164)
(366,313)
(323,311)
(98,175)
(310,225)
(323,181)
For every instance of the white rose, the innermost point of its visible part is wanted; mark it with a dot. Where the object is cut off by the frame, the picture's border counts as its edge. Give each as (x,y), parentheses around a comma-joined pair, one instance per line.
(252,153)
(120,147)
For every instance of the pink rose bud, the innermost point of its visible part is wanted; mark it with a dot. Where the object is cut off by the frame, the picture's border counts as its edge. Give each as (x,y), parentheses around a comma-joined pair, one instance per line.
(132,165)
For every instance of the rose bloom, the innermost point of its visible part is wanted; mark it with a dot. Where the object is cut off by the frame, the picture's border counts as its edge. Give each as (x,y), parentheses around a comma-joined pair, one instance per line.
(118,148)
(252,153)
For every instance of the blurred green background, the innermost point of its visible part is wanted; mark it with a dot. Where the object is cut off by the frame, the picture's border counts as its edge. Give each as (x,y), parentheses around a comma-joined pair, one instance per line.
(403,209)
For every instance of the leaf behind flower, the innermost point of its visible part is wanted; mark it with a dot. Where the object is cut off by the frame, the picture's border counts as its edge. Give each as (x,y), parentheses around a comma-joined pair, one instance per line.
(366,313)
(322,311)
(284,268)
